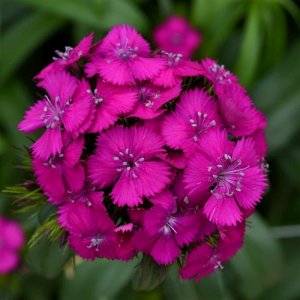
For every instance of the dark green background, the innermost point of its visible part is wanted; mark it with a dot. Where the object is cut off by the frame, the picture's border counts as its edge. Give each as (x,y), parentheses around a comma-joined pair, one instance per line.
(257,39)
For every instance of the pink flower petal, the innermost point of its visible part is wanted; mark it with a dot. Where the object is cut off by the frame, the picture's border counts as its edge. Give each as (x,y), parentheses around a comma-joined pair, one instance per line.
(50,143)
(223,211)
(9,260)
(33,120)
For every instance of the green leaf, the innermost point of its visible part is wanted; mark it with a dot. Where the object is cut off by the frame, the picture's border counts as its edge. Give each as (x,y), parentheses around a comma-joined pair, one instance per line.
(259,263)
(249,57)
(211,287)
(148,274)
(272,90)
(22,38)
(118,12)
(278,95)
(284,122)
(274,22)
(77,10)
(48,258)
(216,21)
(100,279)
(97,13)
(288,288)
(50,228)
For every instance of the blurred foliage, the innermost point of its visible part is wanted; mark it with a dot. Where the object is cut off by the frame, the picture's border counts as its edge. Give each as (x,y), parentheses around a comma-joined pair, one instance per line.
(257,39)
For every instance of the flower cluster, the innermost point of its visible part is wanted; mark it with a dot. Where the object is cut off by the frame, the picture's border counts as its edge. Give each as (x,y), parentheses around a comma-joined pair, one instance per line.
(11,240)
(147,152)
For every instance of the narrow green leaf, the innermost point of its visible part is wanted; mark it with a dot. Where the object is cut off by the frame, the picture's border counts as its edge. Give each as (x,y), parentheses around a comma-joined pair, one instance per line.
(249,57)
(284,122)
(274,22)
(24,36)
(272,90)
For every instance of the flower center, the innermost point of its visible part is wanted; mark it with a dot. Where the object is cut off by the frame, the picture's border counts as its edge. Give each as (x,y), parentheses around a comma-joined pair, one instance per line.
(96,97)
(125,51)
(173,58)
(95,242)
(63,55)
(147,96)
(227,176)
(128,162)
(81,197)
(220,73)
(200,123)
(55,161)
(169,227)
(53,111)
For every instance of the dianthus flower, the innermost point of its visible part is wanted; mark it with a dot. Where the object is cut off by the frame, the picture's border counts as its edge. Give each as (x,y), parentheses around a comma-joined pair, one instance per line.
(177,36)
(69,57)
(11,240)
(124,50)
(196,114)
(128,158)
(66,107)
(229,173)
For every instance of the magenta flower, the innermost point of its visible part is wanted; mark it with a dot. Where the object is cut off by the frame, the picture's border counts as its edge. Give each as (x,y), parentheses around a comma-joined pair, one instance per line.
(125,250)
(68,58)
(127,159)
(230,173)
(123,57)
(88,196)
(11,240)
(176,67)
(261,146)
(239,114)
(177,36)
(151,98)
(218,75)
(166,229)
(205,259)
(110,103)
(61,172)
(92,232)
(67,107)
(195,115)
